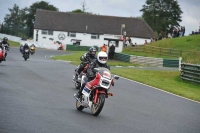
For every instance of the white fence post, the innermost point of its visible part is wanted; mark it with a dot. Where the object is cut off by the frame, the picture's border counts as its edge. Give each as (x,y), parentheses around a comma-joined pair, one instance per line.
(180,60)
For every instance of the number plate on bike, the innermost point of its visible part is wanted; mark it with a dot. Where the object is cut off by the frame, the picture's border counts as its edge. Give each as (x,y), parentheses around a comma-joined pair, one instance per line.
(86,91)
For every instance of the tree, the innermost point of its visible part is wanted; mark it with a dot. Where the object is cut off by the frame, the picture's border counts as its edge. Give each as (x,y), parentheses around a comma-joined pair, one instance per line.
(13,21)
(15,16)
(162,15)
(78,11)
(30,16)
(83,5)
(83,10)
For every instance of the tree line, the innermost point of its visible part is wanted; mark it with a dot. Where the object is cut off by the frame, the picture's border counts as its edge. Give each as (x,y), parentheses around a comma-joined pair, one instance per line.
(161,15)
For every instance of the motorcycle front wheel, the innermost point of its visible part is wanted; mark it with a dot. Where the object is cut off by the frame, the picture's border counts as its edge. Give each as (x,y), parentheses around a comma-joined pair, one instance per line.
(96,108)
(79,106)
(25,57)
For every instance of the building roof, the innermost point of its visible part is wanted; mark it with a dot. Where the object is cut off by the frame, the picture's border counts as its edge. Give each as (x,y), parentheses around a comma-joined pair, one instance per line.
(87,23)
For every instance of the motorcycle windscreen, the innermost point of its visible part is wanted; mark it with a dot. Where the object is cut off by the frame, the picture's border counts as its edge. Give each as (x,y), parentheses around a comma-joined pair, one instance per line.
(106,74)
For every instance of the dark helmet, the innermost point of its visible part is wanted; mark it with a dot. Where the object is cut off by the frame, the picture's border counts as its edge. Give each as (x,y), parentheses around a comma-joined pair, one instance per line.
(5,39)
(26,44)
(92,51)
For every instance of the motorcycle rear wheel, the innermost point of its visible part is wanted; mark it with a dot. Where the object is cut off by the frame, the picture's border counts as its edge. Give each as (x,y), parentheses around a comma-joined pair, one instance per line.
(96,108)
(79,106)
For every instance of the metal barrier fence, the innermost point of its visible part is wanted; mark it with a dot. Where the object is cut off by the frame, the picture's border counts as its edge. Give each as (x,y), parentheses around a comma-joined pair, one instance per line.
(122,57)
(190,72)
(148,61)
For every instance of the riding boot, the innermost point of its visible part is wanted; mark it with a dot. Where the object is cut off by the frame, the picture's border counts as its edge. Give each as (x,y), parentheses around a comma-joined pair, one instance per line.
(76,77)
(78,95)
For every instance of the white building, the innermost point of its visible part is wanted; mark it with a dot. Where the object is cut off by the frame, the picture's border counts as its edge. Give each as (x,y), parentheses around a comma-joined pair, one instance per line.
(87,29)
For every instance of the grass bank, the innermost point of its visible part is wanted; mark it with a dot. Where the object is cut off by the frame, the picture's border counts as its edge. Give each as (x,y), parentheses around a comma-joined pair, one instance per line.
(186,43)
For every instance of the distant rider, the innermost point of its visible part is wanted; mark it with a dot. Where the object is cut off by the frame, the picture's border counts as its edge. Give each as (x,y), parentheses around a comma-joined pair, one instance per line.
(21,48)
(3,48)
(6,45)
(25,47)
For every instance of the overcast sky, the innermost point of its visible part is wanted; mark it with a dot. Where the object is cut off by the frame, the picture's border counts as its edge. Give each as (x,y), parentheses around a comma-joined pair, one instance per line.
(123,8)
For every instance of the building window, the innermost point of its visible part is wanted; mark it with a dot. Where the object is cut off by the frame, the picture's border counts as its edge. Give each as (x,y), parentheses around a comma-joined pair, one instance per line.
(71,34)
(50,32)
(94,36)
(47,32)
(44,32)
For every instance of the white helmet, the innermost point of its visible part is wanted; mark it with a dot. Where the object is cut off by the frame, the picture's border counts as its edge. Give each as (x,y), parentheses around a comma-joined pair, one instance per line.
(102,57)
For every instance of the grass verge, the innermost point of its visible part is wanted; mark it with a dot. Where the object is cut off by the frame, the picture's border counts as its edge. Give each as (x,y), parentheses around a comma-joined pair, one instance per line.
(13,44)
(163,79)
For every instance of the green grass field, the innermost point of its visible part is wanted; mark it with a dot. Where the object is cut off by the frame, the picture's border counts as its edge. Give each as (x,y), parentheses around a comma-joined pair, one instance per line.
(165,80)
(188,43)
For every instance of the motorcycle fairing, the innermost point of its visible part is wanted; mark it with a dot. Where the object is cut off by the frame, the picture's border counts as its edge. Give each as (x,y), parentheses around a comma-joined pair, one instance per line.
(94,81)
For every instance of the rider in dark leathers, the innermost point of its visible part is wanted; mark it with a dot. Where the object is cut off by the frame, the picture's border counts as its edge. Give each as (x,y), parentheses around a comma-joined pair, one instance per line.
(25,47)
(5,44)
(95,63)
(85,59)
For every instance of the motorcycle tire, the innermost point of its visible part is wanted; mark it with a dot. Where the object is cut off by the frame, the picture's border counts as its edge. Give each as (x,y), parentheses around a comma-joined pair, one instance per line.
(25,58)
(96,108)
(79,106)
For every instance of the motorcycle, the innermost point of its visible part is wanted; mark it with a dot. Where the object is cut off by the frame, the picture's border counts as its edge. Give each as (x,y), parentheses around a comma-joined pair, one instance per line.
(94,92)
(6,48)
(78,81)
(1,55)
(26,54)
(61,46)
(32,50)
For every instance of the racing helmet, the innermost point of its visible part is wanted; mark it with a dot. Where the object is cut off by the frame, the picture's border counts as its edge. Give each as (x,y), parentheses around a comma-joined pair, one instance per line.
(102,57)
(5,39)
(92,51)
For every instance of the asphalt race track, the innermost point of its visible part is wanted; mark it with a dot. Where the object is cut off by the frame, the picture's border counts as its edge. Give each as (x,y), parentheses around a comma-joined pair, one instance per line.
(36,96)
